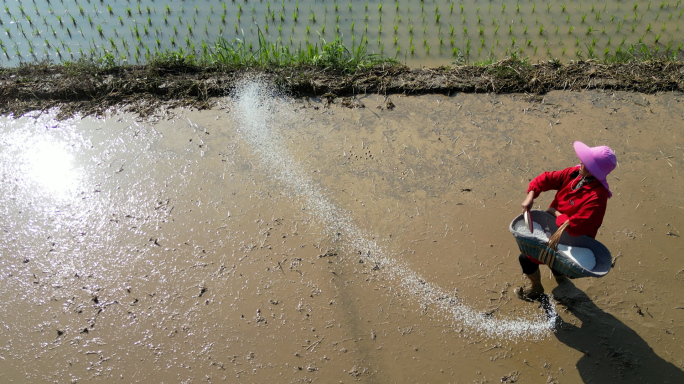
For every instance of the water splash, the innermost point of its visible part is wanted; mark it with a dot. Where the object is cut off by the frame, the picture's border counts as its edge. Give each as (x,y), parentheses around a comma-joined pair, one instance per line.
(259,110)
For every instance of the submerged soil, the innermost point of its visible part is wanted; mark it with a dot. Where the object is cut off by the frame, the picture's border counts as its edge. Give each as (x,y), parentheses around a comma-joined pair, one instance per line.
(219,245)
(88,89)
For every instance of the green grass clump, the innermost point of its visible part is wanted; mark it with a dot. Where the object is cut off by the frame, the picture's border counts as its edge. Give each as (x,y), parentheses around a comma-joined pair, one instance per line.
(334,55)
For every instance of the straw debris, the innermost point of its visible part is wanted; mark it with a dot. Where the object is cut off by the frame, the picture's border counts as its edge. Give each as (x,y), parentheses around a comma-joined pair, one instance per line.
(144,90)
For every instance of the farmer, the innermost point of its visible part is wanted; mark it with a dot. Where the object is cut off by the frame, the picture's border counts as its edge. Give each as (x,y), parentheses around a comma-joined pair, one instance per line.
(581,201)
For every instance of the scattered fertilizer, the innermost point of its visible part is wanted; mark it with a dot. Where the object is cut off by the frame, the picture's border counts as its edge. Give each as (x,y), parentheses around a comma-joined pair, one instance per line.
(260,111)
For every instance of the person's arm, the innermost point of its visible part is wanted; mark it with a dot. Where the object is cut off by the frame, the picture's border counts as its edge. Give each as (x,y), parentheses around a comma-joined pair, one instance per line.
(549,181)
(544,182)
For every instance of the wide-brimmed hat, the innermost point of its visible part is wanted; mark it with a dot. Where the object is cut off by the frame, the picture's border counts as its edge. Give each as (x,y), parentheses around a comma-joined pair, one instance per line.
(600,161)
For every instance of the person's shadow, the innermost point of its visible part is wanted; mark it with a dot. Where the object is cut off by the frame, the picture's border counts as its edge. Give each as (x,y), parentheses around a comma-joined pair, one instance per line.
(613,352)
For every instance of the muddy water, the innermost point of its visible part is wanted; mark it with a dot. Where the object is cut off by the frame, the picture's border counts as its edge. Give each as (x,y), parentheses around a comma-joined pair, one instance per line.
(278,239)
(431,33)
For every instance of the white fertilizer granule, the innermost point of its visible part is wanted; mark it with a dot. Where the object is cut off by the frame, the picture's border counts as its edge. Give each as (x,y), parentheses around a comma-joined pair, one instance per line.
(583,256)
(539,232)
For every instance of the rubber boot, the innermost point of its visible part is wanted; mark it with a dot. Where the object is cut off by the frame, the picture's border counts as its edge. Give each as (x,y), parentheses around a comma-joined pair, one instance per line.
(535,290)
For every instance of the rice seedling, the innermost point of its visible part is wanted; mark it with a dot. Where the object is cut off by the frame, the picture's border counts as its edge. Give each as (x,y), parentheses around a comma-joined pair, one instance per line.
(648,27)
(541,29)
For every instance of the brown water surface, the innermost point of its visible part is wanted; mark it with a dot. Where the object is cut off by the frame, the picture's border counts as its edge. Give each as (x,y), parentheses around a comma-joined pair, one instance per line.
(289,240)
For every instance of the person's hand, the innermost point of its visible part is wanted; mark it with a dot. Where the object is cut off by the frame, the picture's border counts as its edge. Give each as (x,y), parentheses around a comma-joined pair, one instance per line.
(528,202)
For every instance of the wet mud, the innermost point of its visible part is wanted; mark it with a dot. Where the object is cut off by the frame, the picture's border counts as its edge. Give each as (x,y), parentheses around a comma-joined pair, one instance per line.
(272,239)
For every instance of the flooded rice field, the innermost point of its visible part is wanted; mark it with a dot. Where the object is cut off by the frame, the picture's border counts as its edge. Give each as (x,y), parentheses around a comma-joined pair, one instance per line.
(273,239)
(426,33)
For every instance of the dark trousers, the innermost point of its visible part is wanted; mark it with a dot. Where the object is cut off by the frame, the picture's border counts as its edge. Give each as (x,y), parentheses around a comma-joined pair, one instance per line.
(529,267)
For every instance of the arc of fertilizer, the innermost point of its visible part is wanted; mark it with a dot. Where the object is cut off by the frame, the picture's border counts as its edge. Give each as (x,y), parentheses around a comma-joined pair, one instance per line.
(258,109)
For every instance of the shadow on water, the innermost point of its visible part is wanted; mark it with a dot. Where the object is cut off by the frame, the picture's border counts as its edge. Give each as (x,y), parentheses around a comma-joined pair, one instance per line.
(613,352)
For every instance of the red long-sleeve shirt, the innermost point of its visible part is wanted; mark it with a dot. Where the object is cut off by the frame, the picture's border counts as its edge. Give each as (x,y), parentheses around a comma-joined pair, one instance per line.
(584,207)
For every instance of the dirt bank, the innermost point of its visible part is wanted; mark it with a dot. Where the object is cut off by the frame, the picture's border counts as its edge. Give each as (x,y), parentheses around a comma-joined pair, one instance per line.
(88,89)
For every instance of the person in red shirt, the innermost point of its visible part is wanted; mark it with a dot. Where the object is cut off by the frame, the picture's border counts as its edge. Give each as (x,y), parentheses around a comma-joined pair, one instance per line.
(581,201)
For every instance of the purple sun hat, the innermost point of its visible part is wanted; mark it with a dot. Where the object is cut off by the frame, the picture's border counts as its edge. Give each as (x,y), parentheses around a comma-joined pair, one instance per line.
(600,161)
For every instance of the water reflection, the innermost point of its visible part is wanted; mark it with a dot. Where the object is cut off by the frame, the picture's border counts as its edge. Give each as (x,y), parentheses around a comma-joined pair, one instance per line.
(50,165)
